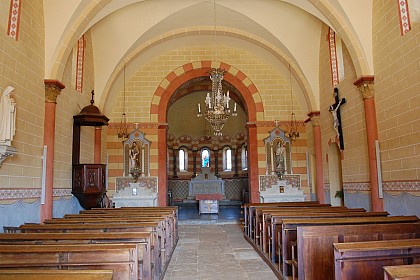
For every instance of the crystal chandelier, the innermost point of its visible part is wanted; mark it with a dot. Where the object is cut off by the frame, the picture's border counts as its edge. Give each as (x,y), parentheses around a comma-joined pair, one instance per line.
(123,128)
(217,110)
(293,132)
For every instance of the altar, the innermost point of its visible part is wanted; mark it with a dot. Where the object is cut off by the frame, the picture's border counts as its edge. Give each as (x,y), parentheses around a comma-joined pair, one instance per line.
(206,183)
(208,203)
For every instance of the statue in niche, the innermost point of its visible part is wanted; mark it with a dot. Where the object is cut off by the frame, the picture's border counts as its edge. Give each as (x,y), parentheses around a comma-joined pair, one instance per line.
(280,159)
(134,152)
(7,116)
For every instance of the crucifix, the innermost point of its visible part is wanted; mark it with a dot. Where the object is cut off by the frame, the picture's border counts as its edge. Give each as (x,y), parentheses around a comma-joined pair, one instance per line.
(335,111)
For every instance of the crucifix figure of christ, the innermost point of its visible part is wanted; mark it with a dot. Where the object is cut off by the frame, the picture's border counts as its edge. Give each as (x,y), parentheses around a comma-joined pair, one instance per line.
(335,111)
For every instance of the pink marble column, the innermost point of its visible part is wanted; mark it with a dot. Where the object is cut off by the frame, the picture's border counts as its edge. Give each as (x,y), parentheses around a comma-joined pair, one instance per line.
(162,164)
(52,90)
(366,86)
(320,192)
(98,142)
(253,163)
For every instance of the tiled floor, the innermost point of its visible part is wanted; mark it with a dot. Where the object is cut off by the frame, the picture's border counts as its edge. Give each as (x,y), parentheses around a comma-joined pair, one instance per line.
(215,251)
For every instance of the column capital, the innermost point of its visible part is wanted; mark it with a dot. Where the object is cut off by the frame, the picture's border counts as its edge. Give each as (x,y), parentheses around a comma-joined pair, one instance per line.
(251,125)
(52,90)
(315,118)
(163,126)
(365,84)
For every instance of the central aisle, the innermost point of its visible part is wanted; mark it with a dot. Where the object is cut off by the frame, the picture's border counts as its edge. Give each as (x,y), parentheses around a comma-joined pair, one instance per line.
(216,251)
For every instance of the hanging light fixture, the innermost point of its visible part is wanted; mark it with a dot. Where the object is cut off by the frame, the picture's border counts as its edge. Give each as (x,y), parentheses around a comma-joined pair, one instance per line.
(217,110)
(123,128)
(293,132)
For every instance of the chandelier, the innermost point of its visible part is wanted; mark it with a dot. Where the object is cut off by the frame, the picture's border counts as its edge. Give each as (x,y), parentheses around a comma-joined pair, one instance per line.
(217,110)
(123,128)
(293,132)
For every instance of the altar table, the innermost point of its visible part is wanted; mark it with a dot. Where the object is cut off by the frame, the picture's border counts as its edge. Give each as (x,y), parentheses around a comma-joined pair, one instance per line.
(208,203)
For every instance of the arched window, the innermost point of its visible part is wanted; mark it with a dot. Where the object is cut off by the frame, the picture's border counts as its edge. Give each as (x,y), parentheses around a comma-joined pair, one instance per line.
(227,159)
(183,159)
(205,158)
(244,158)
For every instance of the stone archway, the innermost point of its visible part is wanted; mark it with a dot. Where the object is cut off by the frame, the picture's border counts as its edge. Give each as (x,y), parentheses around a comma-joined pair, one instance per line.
(169,85)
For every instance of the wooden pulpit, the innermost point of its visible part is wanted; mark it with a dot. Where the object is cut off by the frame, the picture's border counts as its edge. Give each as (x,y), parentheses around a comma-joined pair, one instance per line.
(89,180)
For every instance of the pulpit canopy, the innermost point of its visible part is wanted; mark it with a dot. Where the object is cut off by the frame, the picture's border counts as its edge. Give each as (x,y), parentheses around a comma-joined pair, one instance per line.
(90,116)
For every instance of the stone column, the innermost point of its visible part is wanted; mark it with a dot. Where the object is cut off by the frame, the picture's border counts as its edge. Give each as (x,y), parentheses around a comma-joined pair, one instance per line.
(366,86)
(194,154)
(98,144)
(253,163)
(175,151)
(216,162)
(235,152)
(162,164)
(320,192)
(272,158)
(52,90)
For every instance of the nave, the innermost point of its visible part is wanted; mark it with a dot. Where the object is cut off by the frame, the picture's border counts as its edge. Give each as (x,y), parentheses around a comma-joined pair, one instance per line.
(215,251)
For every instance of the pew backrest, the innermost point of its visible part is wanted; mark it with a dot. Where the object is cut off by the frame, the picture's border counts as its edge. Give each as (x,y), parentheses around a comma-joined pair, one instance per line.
(121,258)
(315,243)
(365,260)
(39,274)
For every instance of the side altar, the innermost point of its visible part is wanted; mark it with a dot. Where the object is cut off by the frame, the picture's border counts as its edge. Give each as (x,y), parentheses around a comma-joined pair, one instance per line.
(273,189)
(279,184)
(131,193)
(136,188)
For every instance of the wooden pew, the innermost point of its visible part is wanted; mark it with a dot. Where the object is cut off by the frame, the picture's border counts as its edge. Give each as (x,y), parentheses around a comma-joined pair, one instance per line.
(274,223)
(248,210)
(142,239)
(261,213)
(402,272)
(121,258)
(365,260)
(163,230)
(167,224)
(290,226)
(254,222)
(171,211)
(35,274)
(315,244)
(157,243)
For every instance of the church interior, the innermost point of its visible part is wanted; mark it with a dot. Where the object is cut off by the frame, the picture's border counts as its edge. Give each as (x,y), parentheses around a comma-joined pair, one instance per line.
(211,110)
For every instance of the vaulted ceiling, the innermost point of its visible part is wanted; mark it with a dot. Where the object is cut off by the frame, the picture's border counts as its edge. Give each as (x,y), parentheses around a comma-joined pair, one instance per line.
(281,32)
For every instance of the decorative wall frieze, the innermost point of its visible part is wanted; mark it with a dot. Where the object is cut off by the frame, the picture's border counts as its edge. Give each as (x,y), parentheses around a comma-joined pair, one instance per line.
(333,57)
(404,16)
(401,186)
(356,186)
(133,125)
(30,193)
(277,123)
(14,19)
(213,142)
(408,186)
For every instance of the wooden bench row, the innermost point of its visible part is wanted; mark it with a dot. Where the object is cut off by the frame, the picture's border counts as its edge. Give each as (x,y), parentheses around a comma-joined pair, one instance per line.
(40,274)
(135,243)
(275,235)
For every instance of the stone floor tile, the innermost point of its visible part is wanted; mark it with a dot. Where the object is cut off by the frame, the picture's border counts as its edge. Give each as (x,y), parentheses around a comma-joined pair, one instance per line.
(215,251)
